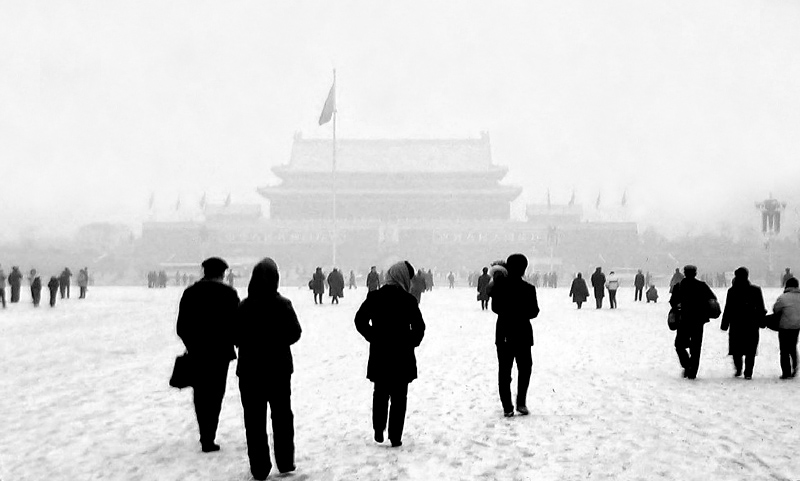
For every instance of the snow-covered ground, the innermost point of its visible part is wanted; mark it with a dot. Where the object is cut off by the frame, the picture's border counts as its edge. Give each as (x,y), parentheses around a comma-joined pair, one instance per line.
(84,396)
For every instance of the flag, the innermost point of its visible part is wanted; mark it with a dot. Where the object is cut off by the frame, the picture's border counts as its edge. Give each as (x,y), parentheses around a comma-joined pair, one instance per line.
(152,200)
(330,106)
(228,200)
(597,204)
(178,204)
(572,199)
(624,198)
(203,201)
(548,198)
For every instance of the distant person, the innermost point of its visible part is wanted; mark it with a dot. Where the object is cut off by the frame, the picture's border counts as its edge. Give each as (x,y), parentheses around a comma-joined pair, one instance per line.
(652,294)
(83,281)
(676,278)
(318,285)
(373,280)
(514,302)
(648,279)
(185,278)
(230,277)
(598,280)
(53,286)
(3,286)
(36,287)
(742,318)
(612,284)
(352,281)
(483,292)
(177,278)
(554,280)
(266,327)
(787,307)
(335,285)
(429,280)
(64,281)
(579,291)
(206,317)
(451,278)
(638,284)
(786,276)
(419,285)
(15,281)
(690,297)
(390,320)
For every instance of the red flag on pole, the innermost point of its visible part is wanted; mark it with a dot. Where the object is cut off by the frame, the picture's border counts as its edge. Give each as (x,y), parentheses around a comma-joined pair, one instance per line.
(329,107)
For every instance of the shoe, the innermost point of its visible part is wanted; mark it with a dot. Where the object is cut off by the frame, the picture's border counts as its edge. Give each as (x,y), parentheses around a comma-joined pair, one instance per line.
(378,436)
(210,448)
(786,376)
(397,444)
(259,475)
(523,410)
(748,376)
(289,470)
(508,414)
(737,373)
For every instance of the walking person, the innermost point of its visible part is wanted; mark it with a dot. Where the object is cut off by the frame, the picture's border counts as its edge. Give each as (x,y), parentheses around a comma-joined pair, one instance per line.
(318,285)
(206,318)
(612,284)
(3,286)
(15,281)
(676,278)
(691,298)
(598,280)
(390,320)
(638,284)
(36,287)
(786,276)
(742,318)
(266,327)
(83,281)
(373,280)
(419,284)
(514,301)
(352,283)
(787,307)
(63,282)
(579,291)
(451,278)
(335,285)
(53,287)
(483,291)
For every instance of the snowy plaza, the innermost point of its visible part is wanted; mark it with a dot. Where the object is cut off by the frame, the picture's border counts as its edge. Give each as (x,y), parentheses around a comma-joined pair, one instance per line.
(85,397)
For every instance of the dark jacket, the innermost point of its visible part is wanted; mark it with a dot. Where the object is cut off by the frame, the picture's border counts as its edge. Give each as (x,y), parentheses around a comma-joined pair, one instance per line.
(318,282)
(676,278)
(373,281)
(579,291)
(63,278)
(206,319)
(638,281)
(514,302)
(53,284)
(483,283)
(336,284)
(598,283)
(742,318)
(15,277)
(691,296)
(390,320)
(419,285)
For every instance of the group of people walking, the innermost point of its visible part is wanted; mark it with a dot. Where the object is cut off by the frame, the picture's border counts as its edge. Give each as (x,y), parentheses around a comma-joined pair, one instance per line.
(579,292)
(56,284)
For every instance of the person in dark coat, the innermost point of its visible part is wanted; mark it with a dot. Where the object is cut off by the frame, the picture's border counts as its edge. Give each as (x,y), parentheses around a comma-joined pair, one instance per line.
(266,327)
(483,284)
(514,301)
(36,287)
(742,318)
(638,284)
(579,292)
(652,294)
(419,284)
(691,298)
(206,317)
(335,285)
(53,286)
(598,280)
(390,320)
(63,282)
(373,280)
(318,285)
(15,281)
(676,278)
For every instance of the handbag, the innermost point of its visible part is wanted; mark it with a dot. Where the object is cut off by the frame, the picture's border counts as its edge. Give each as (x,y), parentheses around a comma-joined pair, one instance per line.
(673,319)
(182,372)
(714,310)
(772,321)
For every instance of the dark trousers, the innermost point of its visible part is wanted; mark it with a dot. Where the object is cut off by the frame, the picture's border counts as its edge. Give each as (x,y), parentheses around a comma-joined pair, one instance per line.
(63,289)
(689,337)
(598,300)
(787,340)
(637,295)
(15,293)
(83,292)
(749,363)
(334,299)
(256,395)
(612,298)
(36,294)
(397,392)
(317,295)
(484,305)
(3,297)
(506,354)
(579,303)
(209,390)
(53,293)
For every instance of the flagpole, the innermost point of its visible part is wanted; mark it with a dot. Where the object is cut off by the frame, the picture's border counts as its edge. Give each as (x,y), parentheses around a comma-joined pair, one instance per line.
(333,172)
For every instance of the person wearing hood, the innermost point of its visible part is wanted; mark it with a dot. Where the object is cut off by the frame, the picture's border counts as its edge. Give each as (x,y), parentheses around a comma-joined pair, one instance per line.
(52,286)
(390,320)
(419,285)
(514,302)
(612,284)
(36,287)
(206,318)
(266,328)
(787,307)
(15,281)
(318,285)
(691,298)
(579,292)
(598,280)
(483,292)
(335,285)
(742,318)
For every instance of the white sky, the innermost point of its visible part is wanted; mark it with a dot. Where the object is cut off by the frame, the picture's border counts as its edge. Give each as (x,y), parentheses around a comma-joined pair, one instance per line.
(693,107)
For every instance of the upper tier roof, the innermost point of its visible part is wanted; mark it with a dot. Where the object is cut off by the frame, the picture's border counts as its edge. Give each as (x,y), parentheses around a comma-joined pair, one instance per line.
(391,155)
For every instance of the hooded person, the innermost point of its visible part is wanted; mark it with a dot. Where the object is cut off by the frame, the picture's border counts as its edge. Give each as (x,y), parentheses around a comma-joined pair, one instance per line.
(390,320)
(743,316)
(206,317)
(266,327)
(578,291)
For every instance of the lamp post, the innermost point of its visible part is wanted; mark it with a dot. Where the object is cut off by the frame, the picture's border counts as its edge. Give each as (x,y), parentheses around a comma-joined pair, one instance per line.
(770,227)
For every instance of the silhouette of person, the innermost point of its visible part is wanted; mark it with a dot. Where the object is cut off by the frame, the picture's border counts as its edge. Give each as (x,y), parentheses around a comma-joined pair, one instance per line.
(691,297)
(742,318)
(578,291)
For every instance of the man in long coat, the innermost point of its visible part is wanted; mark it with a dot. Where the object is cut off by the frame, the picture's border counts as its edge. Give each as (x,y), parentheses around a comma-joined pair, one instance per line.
(638,284)
(373,280)
(578,291)
(483,292)
(598,280)
(15,281)
(206,319)
(743,316)
(691,298)
(318,284)
(335,285)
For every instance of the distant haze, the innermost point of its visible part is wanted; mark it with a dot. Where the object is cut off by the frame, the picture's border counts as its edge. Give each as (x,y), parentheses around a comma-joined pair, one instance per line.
(690,107)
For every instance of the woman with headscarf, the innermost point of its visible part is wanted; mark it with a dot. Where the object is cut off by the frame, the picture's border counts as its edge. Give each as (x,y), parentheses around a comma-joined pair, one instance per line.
(266,328)
(742,318)
(390,320)
(579,291)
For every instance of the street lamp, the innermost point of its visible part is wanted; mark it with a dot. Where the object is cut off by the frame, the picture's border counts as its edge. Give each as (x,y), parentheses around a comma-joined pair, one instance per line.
(770,226)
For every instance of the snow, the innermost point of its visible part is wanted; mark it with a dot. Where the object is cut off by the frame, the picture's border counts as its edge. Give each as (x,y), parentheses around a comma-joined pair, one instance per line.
(84,396)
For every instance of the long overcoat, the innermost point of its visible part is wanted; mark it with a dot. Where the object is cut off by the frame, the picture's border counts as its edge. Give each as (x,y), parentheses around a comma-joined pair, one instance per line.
(335,284)
(742,318)
(483,284)
(599,283)
(206,318)
(579,291)
(318,282)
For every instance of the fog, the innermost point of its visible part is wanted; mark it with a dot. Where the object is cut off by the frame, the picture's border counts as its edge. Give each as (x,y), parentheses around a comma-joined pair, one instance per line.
(689,108)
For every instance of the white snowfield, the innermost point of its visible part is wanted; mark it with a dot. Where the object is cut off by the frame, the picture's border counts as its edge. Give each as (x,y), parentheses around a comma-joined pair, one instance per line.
(84,396)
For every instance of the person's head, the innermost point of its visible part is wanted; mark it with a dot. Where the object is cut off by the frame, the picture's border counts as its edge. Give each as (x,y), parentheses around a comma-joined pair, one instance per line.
(740,275)
(677,270)
(485,270)
(792,282)
(400,274)
(213,268)
(787,270)
(580,276)
(516,265)
(372,268)
(264,280)
(597,270)
(690,271)
(640,271)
